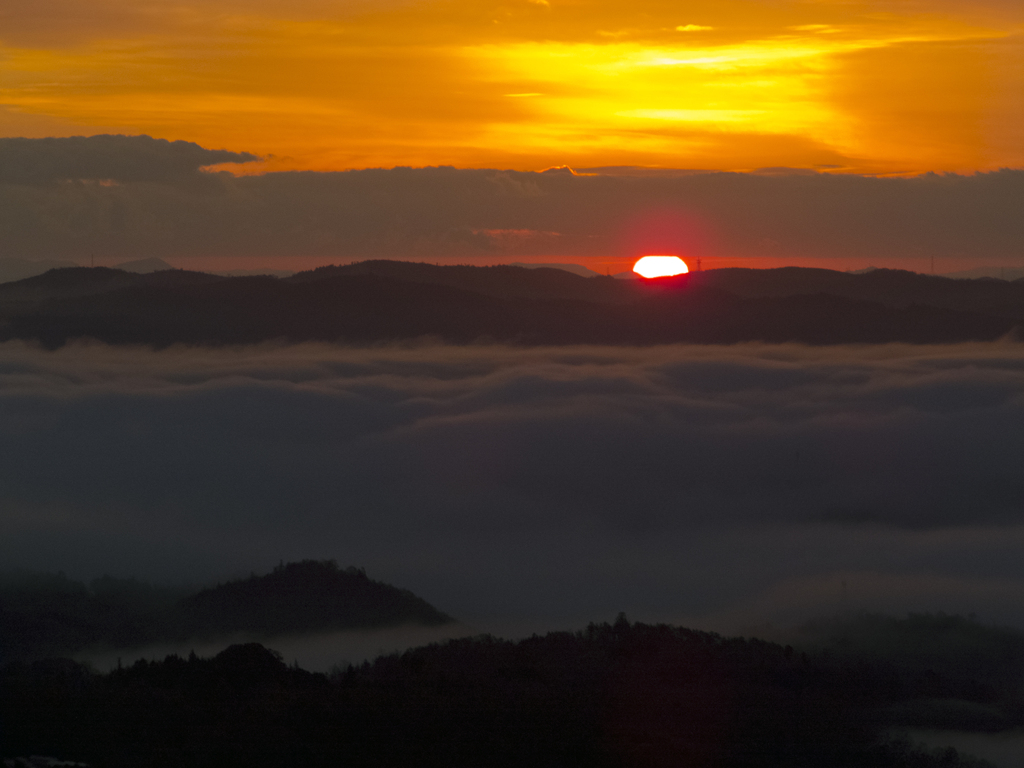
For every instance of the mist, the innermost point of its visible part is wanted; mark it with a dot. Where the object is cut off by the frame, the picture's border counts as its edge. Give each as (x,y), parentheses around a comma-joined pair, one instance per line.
(316,652)
(529,489)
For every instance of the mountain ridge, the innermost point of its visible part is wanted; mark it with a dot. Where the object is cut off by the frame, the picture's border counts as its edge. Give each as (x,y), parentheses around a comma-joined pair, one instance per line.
(380,302)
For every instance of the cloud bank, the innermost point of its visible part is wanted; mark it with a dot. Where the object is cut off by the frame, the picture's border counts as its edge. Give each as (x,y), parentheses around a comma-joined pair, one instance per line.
(157,208)
(552,486)
(107,158)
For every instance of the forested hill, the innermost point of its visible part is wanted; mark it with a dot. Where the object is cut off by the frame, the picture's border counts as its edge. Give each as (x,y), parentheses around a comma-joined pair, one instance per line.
(378,302)
(303,597)
(46,616)
(612,696)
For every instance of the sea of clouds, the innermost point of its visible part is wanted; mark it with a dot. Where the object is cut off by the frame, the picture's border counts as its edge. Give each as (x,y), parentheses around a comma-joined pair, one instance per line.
(529,489)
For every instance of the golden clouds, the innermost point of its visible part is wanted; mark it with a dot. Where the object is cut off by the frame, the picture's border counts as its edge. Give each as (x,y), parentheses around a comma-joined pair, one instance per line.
(926,103)
(530,84)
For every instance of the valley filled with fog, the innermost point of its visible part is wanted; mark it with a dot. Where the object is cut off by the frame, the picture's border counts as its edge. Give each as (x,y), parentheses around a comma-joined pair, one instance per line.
(518,489)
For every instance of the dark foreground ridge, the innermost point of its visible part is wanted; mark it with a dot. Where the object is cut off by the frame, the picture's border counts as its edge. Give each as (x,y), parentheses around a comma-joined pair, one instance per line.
(620,696)
(55,616)
(376,302)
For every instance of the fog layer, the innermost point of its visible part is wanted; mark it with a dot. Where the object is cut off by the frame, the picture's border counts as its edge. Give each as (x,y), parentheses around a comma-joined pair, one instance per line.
(533,488)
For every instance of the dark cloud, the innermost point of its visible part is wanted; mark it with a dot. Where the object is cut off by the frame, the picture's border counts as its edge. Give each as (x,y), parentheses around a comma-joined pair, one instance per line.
(106,158)
(518,484)
(443,212)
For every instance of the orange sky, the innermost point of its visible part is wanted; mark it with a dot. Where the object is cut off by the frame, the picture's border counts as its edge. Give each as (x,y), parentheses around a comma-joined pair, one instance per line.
(891,86)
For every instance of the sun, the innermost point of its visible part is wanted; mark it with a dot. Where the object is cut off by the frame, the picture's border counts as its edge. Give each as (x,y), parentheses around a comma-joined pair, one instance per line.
(660,266)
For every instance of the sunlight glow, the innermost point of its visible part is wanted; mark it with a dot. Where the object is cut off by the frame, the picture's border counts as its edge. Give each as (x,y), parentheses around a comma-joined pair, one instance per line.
(876,87)
(660,266)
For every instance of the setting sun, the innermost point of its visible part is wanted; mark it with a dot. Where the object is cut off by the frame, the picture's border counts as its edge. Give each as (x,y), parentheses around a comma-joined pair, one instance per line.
(660,266)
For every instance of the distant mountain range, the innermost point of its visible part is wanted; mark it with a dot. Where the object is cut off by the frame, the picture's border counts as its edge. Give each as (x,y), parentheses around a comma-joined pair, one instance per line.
(13,269)
(379,301)
(990,272)
(45,616)
(576,269)
(144,266)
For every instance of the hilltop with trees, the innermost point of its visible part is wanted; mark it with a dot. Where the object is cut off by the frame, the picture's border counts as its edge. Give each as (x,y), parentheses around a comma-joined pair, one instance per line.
(45,616)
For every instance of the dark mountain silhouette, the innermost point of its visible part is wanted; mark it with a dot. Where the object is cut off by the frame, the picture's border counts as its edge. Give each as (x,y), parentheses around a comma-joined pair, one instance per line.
(503,281)
(891,287)
(303,597)
(386,301)
(13,268)
(43,616)
(622,696)
(144,266)
(60,284)
(955,646)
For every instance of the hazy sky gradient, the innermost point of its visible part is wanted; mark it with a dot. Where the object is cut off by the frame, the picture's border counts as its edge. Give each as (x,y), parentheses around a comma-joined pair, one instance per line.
(708,485)
(872,86)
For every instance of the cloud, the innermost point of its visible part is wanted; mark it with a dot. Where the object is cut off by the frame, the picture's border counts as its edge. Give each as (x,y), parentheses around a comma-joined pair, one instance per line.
(314,84)
(106,158)
(447,213)
(69,23)
(532,485)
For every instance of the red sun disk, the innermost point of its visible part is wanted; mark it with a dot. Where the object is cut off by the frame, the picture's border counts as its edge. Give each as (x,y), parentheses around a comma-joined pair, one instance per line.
(660,266)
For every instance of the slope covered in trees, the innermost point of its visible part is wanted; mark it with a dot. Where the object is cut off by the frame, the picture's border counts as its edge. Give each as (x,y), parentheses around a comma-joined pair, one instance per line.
(303,597)
(614,695)
(46,616)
